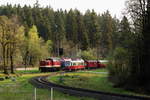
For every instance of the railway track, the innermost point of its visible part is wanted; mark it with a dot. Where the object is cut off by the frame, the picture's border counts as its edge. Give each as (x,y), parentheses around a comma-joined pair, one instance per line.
(42,82)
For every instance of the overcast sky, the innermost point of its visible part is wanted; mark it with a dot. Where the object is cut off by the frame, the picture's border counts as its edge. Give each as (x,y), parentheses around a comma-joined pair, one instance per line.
(114,6)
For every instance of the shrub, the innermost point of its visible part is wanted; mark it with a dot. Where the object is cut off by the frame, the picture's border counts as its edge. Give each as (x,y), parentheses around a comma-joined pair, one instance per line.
(88,55)
(119,66)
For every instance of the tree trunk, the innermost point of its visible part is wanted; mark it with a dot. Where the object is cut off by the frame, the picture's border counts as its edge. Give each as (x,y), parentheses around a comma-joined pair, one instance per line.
(7,57)
(4,61)
(12,64)
(146,44)
(25,59)
(145,51)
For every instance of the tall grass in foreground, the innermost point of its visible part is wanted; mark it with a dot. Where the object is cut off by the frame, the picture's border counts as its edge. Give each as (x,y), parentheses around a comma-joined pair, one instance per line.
(21,89)
(93,81)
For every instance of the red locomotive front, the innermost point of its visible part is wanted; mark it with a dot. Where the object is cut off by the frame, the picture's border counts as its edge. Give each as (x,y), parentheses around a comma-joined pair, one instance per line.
(50,64)
(45,65)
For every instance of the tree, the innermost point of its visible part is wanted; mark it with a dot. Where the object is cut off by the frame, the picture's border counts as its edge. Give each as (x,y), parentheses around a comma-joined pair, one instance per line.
(27,16)
(125,36)
(82,35)
(88,55)
(34,48)
(45,27)
(49,46)
(59,32)
(92,26)
(139,11)
(4,29)
(16,37)
(30,47)
(71,27)
(84,30)
(106,34)
(119,67)
(10,36)
(115,32)
(33,45)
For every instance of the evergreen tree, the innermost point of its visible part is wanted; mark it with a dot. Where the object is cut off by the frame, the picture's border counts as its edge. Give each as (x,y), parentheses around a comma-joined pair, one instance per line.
(92,26)
(28,18)
(71,27)
(59,34)
(115,32)
(141,51)
(125,33)
(82,32)
(106,34)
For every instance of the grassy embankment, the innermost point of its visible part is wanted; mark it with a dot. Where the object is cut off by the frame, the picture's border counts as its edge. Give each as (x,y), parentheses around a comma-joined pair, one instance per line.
(20,89)
(90,80)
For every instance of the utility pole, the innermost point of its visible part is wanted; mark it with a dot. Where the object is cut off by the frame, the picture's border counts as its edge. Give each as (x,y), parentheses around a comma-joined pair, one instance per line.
(35,94)
(51,93)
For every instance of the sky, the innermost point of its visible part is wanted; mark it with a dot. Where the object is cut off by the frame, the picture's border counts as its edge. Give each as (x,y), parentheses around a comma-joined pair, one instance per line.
(115,7)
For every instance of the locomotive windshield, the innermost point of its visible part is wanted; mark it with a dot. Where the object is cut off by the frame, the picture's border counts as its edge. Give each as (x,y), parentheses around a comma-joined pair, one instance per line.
(67,63)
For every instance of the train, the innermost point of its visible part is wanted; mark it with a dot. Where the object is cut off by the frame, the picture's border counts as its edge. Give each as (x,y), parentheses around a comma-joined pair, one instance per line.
(68,64)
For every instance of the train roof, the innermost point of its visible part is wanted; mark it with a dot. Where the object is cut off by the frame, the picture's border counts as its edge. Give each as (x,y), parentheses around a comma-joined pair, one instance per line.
(77,60)
(96,60)
(91,60)
(53,58)
(65,59)
(103,60)
(44,61)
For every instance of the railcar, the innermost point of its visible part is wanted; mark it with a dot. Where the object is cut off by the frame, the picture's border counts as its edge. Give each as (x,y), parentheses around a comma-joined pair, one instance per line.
(76,64)
(91,64)
(101,63)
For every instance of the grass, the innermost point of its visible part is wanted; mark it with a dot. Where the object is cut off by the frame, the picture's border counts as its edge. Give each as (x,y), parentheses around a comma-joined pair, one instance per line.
(21,89)
(97,70)
(27,71)
(91,81)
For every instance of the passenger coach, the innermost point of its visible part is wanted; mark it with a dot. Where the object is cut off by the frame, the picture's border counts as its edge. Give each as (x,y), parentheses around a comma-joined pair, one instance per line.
(75,64)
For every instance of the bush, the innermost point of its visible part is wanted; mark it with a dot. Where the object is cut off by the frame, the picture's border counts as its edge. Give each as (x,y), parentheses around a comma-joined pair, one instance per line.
(88,55)
(119,66)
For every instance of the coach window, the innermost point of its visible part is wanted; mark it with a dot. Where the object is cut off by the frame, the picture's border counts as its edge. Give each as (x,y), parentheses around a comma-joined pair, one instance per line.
(74,64)
(82,63)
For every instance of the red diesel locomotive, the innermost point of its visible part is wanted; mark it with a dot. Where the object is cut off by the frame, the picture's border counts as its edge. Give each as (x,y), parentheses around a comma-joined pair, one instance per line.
(50,64)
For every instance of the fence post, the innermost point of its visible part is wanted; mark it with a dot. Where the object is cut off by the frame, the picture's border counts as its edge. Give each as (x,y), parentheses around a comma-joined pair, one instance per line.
(34,93)
(51,93)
